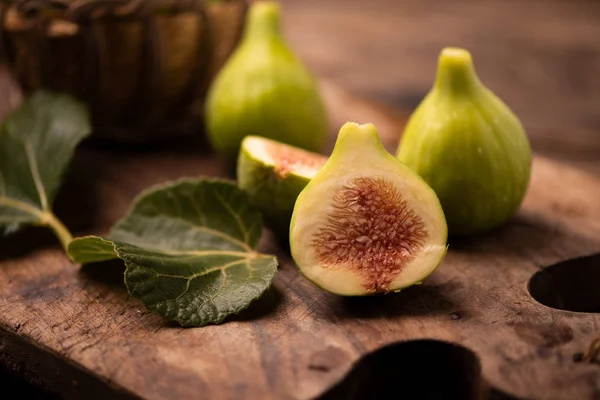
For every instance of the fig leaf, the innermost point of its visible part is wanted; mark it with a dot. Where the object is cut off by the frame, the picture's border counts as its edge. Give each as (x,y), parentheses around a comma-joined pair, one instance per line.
(37,142)
(189,249)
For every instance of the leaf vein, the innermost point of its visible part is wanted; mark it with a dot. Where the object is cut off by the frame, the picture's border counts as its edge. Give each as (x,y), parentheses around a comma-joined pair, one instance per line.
(201,253)
(15,219)
(236,216)
(218,292)
(20,205)
(211,231)
(35,173)
(198,209)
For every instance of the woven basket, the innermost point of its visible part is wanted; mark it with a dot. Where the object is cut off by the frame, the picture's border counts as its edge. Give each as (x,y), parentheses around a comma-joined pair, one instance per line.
(143,66)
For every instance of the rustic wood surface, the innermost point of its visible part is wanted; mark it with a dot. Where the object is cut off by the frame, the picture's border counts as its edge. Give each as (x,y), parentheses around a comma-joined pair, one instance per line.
(81,335)
(76,332)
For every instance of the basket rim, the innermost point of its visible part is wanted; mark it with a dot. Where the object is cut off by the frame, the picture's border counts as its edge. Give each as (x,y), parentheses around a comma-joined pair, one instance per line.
(84,10)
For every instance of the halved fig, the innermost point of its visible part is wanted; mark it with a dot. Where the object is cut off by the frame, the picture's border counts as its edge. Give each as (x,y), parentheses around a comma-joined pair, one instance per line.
(273,174)
(366,223)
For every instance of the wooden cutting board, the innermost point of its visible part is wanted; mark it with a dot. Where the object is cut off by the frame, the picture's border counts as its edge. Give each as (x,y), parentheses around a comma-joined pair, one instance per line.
(77,332)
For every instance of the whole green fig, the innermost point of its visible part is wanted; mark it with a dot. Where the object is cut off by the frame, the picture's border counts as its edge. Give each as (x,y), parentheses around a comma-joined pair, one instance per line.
(469,146)
(264,90)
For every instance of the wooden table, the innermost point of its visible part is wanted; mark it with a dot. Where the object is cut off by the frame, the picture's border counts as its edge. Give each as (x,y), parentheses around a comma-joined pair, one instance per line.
(76,332)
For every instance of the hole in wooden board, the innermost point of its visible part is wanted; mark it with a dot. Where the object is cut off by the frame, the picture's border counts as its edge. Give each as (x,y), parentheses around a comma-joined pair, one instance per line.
(419,369)
(570,285)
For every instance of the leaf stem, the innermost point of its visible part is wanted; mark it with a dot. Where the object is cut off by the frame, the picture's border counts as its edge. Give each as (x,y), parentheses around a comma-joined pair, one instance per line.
(59,229)
(46,218)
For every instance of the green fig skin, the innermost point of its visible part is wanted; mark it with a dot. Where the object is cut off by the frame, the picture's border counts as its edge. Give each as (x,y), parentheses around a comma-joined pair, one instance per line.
(469,146)
(358,154)
(264,89)
(270,188)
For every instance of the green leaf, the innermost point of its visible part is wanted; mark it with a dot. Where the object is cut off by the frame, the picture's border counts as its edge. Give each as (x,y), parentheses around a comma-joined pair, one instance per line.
(189,251)
(37,142)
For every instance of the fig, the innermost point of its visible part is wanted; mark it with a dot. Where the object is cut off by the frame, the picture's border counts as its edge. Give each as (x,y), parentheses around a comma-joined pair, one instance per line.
(469,146)
(273,174)
(263,89)
(366,223)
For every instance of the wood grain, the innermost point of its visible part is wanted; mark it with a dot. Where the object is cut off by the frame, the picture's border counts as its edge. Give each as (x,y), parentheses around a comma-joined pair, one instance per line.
(78,331)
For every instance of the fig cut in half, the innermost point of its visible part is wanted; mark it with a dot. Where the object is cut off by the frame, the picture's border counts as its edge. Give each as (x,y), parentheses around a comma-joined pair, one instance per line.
(366,223)
(273,174)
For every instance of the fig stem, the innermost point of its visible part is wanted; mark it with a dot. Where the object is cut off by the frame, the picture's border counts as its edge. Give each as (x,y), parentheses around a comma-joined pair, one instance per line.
(353,136)
(264,21)
(456,73)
